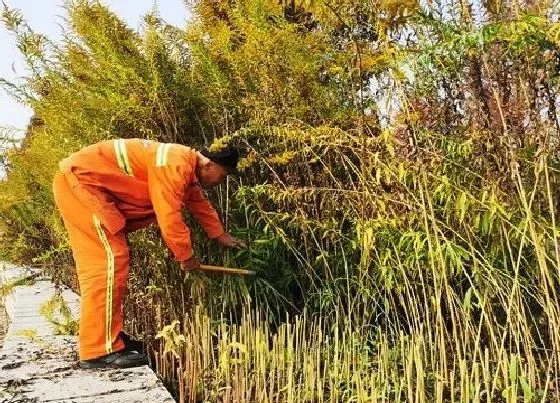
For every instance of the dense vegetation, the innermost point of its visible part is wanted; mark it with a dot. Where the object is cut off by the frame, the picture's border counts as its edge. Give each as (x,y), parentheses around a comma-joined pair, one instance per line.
(399,191)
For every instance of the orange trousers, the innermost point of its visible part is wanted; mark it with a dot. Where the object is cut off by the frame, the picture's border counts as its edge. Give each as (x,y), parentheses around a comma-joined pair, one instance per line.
(102,265)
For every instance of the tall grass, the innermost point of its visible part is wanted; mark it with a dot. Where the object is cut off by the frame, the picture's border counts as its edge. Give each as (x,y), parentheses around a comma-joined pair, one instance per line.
(429,311)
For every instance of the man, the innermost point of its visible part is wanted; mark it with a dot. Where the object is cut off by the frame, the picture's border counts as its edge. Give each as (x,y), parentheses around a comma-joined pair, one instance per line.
(114,187)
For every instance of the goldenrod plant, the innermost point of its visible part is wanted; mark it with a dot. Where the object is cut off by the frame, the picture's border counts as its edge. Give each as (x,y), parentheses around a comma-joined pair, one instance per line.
(59,315)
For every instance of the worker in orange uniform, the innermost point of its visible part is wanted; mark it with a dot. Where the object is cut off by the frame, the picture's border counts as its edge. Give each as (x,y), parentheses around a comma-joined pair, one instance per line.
(114,187)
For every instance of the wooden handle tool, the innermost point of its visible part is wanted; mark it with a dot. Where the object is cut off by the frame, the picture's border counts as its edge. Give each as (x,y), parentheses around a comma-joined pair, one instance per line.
(226,270)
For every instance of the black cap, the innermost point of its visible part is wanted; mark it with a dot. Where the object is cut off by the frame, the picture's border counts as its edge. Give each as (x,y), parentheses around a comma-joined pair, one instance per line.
(227,157)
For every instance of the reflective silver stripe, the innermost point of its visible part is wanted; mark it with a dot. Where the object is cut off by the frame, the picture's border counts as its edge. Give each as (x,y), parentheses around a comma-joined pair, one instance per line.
(158,154)
(110,280)
(122,156)
(161,155)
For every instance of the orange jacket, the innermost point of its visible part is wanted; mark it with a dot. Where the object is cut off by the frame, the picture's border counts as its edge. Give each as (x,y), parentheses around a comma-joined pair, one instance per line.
(130,184)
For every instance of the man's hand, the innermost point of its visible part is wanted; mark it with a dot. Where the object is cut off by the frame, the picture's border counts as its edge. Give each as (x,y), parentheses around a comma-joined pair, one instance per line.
(230,242)
(190,264)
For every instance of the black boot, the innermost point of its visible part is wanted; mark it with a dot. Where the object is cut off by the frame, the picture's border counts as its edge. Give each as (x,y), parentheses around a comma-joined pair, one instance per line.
(131,344)
(119,359)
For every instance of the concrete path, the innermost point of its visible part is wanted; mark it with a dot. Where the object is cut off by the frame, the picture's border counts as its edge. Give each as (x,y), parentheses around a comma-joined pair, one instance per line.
(38,366)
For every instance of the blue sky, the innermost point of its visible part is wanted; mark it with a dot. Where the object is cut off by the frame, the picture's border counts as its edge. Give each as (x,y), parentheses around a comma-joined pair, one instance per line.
(46,16)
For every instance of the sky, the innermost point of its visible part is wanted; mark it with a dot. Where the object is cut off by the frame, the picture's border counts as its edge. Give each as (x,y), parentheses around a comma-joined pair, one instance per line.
(45,17)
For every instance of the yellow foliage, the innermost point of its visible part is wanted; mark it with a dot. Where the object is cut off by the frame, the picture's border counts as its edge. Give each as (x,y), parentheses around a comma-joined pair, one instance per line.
(282,159)
(219,144)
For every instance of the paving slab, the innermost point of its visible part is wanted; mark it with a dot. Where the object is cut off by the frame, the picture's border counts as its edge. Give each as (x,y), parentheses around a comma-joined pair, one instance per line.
(36,365)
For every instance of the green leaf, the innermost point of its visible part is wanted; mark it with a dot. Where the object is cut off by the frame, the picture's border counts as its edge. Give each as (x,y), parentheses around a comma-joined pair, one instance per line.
(513,369)
(527,391)
(467,299)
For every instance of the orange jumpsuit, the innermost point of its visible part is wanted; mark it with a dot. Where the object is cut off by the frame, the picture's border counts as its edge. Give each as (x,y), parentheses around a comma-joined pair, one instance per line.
(114,187)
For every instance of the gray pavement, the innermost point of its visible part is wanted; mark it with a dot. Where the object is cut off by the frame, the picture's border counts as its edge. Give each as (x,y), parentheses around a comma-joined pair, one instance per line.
(36,365)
